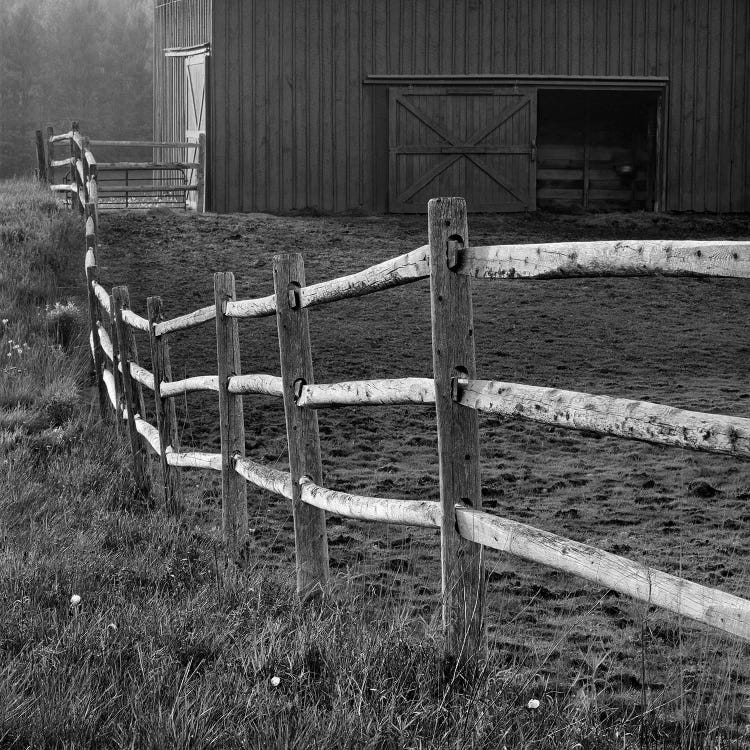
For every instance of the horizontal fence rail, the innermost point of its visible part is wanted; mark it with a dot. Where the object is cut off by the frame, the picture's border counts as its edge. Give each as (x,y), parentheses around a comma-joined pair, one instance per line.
(86,180)
(608,258)
(458,394)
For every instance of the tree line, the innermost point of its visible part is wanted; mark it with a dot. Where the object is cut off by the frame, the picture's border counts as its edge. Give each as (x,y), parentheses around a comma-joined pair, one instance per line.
(64,60)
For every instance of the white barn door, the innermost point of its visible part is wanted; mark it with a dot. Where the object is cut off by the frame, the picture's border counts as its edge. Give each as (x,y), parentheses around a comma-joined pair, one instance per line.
(195,112)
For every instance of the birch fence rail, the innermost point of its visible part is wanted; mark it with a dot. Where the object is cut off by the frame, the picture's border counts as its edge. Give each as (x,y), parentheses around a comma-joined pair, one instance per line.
(451,264)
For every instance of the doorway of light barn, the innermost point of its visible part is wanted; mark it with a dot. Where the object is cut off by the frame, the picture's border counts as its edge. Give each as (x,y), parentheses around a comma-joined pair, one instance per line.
(599,150)
(195,116)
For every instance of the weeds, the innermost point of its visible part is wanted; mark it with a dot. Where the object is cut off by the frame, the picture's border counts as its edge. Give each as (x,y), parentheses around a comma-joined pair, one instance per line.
(121,627)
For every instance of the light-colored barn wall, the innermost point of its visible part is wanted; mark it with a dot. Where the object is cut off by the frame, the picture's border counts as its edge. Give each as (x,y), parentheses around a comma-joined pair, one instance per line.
(177,23)
(294,127)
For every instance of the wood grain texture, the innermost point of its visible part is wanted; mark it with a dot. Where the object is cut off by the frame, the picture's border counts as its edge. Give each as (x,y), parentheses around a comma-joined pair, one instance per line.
(106,343)
(188,385)
(368,393)
(96,347)
(121,300)
(638,420)
(132,350)
(103,296)
(194,460)
(252,308)
(61,137)
(231,422)
(49,135)
(311,545)
(134,320)
(142,375)
(41,157)
(166,416)
(149,433)
(272,480)
(458,432)
(608,258)
(109,385)
(385,510)
(116,369)
(189,320)
(269,385)
(200,174)
(710,606)
(404,269)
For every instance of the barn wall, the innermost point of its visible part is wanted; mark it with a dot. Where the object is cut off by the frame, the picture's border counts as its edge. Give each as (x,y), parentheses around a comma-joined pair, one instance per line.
(177,23)
(294,127)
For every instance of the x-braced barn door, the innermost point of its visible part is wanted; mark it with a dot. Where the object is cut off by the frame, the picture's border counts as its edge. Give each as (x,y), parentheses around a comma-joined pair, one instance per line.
(195,112)
(477,143)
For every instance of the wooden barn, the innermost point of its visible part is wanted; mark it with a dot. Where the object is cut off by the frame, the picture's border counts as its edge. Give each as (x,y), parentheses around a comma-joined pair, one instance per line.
(378,105)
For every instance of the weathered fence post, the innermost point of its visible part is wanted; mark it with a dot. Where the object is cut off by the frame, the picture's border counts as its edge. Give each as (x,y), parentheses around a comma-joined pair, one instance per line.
(92,186)
(458,433)
(41,157)
(91,277)
(74,155)
(231,422)
(84,174)
(200,174)
(121,300)
(311,543)
(115,364)
(166,416)
(50,154)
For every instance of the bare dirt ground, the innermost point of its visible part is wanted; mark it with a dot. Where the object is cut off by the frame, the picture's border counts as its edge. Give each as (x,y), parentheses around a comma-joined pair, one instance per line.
(682,341)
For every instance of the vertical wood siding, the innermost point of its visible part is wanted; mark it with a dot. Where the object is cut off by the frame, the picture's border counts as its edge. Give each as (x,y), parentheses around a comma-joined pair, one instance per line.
(294,127)
(177,23)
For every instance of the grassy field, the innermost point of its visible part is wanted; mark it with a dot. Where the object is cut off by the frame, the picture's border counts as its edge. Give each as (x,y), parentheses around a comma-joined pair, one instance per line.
(170,647)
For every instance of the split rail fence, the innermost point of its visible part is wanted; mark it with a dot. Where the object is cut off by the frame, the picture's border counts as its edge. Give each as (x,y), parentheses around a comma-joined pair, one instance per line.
(451,264)
(178,180)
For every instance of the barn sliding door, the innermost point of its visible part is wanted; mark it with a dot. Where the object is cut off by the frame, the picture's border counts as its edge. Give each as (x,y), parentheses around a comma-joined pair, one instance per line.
(195,111)
(476,143)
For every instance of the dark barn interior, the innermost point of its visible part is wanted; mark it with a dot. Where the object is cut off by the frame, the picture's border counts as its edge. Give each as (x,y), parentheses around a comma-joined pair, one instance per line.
(596,150)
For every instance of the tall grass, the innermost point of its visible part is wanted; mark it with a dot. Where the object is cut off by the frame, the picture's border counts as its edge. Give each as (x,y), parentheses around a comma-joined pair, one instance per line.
(169,646)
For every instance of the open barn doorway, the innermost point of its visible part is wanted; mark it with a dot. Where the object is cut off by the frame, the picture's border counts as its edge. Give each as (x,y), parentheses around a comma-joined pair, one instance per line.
(598,150)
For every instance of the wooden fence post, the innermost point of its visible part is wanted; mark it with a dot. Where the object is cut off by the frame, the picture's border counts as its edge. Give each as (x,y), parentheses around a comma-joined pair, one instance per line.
(116,363)
(85,176)
(200,174)
(166,416)
(50,154)
(74,154)
(94,316)
(231,422)
(92,186)
(458,434)
(41,157)
(310,540)
(121,300)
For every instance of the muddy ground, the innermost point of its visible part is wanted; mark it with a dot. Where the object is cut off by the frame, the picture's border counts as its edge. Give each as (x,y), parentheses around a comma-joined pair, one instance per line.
(681,341)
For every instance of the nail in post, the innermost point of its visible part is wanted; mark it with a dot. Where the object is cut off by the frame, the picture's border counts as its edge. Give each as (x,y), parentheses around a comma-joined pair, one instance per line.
(166,416)
(121,300)
(231,422)
(311,544)
(458,433)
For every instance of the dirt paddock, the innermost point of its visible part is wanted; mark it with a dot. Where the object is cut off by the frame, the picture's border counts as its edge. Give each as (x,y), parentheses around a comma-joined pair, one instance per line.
(680,341)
